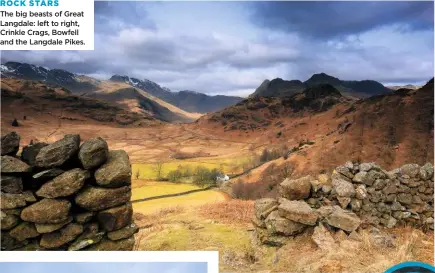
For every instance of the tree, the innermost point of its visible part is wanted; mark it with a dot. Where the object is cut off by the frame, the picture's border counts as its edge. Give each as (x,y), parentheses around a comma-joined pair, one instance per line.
(158,167)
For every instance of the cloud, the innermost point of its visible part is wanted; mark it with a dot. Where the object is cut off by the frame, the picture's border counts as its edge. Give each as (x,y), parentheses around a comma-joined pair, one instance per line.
(324,20)
(231,47)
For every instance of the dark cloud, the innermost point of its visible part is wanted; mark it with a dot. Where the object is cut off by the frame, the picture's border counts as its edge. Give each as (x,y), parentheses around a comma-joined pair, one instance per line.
(383,41)
(115,15)
(326,20)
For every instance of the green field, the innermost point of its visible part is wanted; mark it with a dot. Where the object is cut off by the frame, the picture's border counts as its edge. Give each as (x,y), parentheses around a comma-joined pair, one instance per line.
(151,189)
(148,171)
(142,189)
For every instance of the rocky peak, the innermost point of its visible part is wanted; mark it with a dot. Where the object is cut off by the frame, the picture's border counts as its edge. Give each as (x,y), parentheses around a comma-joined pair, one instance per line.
(119,78)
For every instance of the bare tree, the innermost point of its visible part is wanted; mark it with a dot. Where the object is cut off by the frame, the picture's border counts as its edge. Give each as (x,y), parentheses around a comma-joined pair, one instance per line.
(158,167)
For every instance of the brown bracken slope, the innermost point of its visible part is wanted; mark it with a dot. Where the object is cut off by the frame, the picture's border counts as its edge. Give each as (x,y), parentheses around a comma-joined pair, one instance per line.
(329,129)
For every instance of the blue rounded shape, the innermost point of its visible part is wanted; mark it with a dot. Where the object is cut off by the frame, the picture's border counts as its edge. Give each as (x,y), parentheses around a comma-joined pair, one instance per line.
(411,267)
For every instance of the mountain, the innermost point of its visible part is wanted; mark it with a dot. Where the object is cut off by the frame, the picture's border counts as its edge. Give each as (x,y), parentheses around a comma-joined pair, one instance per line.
(321,128)
(258,113)
(187,100)
(35,101)
(118,93)
(59,77)
(281,88)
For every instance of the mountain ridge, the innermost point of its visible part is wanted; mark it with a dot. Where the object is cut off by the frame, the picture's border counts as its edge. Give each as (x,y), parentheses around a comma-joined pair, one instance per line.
(281,88)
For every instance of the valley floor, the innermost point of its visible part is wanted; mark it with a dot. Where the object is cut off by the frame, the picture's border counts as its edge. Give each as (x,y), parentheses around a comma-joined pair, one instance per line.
(211,220)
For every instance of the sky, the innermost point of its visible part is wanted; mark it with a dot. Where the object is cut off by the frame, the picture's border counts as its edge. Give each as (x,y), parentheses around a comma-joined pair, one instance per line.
(116,267)
(230,48)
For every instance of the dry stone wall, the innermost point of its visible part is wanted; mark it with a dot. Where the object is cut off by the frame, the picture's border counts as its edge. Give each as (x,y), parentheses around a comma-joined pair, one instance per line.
(354,196)
(65,196)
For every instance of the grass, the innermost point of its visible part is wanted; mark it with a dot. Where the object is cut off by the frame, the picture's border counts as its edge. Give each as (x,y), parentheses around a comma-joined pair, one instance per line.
(235,212)
(148,171)
(193,199)
(301,255)
(145,189)
(223,227)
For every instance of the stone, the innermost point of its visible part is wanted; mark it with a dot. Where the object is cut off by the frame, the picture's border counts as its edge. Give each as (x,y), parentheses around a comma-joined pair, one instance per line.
(391,222)
(296,189)
(58,153)
(355,205)
(349,165)
(343,188)
(340,236)
(379,184)
(257,222)
(355,236)
(59,238)
(401,214)
(47,228)
(404,198)
(298,211)
(47,211)
(11,184)
(344,201)
(323,238)
(359,177)
(116,171)
(377,196)
(90,236)
(390,188)
(326,189)
(8,221)
(324,211)
(24,231)
(47,174)
(361,192)
(345,220)
(11,165)
(83,217)
(123,233)
(65,184)
(324,179)
(12,201)
(10,144)
(264,206)
(393,174)
(10,243)
(382,240)
(109,245)
(339,176)
(345,171)
(277,225)
(16,212)
(29,197)
(96,198)
(426,171)
(390,198)
(315,185)
(271,240)
(412,170)
(93,153)
(30,152)
(372,176)
(365,167)
(396,206)
(115,218)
